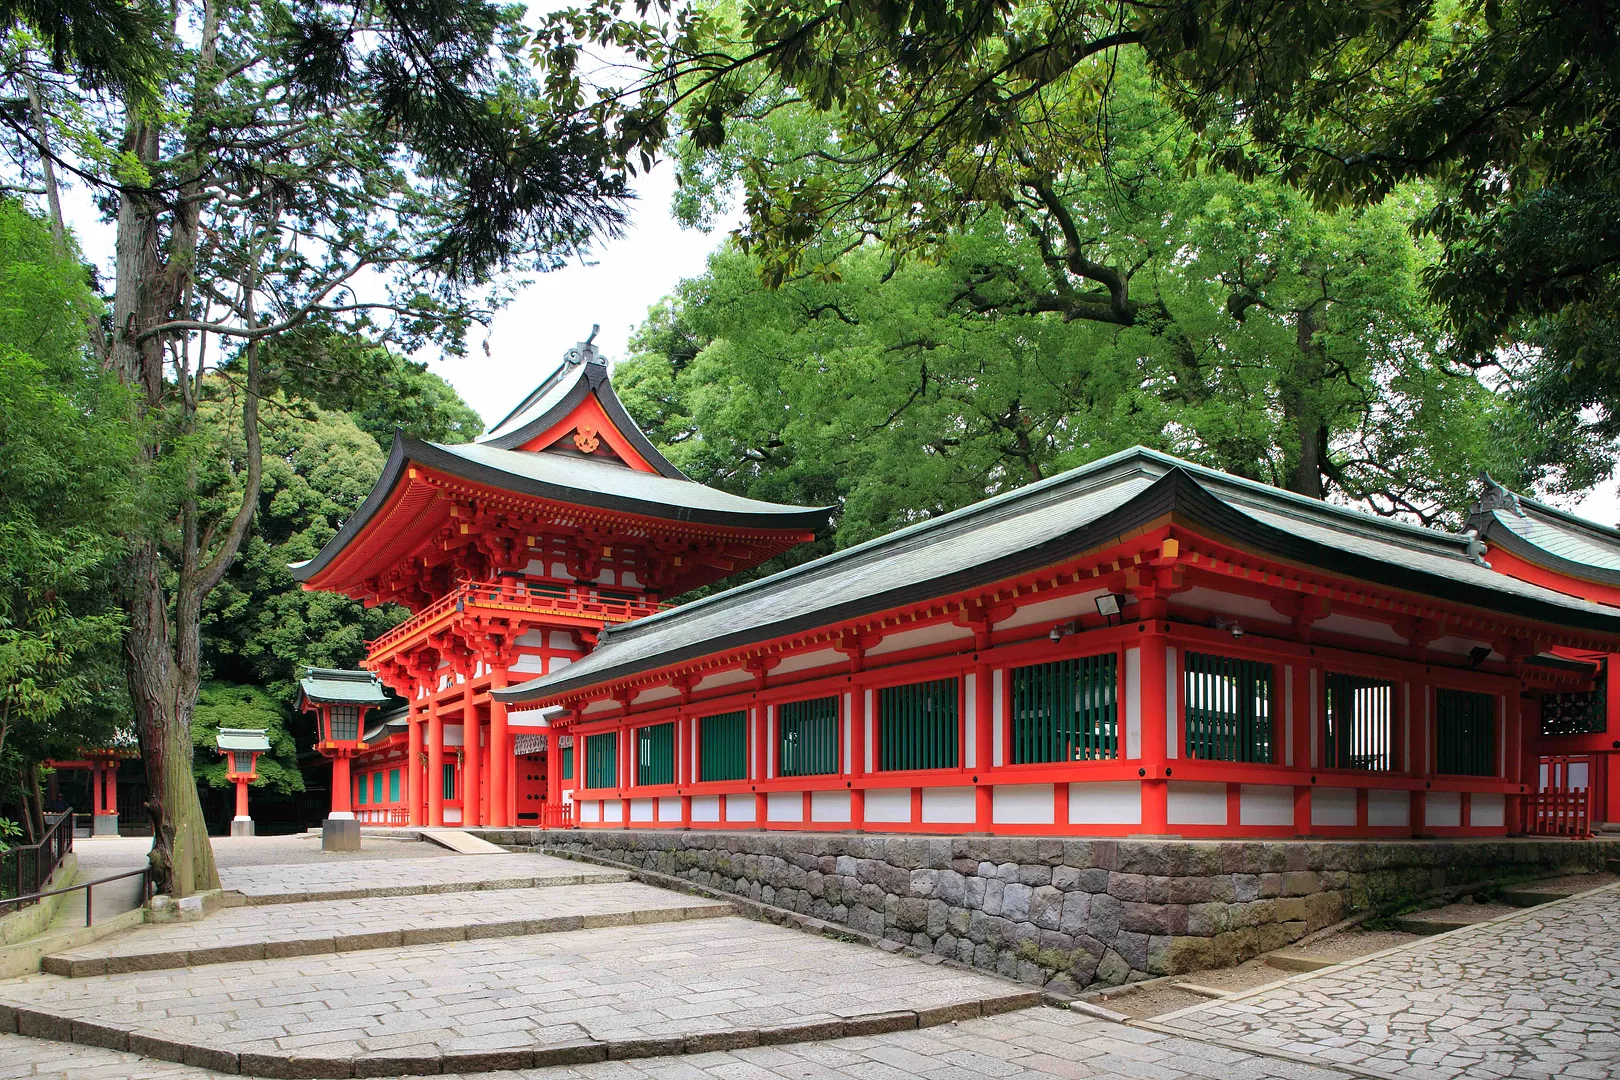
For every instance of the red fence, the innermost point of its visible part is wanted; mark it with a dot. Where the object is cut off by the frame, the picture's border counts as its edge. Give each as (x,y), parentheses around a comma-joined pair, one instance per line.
(557,815)
(1559,809)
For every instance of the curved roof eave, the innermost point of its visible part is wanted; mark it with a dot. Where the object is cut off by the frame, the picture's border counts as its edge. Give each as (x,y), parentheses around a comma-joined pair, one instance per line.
(1503,535)
(1176,491)
(408,450)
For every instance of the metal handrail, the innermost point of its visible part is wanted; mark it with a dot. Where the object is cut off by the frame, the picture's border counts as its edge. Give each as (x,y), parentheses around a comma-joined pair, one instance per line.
(54,845)
(89,897)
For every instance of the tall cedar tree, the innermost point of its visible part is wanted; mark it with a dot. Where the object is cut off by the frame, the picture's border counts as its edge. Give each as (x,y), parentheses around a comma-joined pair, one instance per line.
(361,168)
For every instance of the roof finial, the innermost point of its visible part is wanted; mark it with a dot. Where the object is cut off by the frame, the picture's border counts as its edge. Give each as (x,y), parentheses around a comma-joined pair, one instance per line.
(585,352)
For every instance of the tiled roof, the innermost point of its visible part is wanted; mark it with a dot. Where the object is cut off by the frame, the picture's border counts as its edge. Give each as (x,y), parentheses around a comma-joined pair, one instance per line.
(1046,522)
(1545,535)
(335,686)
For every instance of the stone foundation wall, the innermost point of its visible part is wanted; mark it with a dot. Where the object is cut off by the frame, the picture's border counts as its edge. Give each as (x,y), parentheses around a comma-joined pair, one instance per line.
(1069,913)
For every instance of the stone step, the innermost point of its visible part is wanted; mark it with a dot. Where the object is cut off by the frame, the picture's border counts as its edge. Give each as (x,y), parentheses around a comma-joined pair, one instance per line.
(354,879)
(1294,961)
(324,927)
(517,1003)
(1414,925)
(1531,897)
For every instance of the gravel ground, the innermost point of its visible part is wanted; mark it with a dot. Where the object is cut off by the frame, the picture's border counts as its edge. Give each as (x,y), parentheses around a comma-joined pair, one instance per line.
(1245,976)
(1155,1001)
(1574,883)
(1464,912)
(110,855)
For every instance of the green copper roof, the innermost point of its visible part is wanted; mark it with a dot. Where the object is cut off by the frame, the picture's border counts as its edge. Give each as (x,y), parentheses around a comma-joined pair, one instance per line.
(1047,522)
(1545,535)
(241,739)
(335,686)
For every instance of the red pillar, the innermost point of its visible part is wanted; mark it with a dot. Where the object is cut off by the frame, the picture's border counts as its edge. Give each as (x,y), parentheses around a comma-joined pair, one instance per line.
(471,763)
(1302,703)
(96,790)
(857,752)
(500,759)
(554,755)
(435,766)
(341,785)
(1155,793)
(413,769)
(111,800)
(241,798)
(984,748)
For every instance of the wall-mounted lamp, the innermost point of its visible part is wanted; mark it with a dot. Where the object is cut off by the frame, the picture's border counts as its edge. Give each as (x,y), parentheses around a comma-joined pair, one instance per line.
(1477,655)
(1061,631)
(1108,605)
(1232,625)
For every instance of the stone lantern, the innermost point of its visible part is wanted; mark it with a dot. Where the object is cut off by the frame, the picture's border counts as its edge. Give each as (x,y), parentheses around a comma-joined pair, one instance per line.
(241,747)
(340,699)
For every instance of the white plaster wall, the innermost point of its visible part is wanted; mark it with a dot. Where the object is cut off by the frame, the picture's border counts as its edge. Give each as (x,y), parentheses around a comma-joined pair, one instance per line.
(888,804)
(1022,804)
(669,808)
(1133,703)
(1111,803)
(641,809)
(849,733)
(784,806)
(591,810)
(656,693)
(995,716)
(739,808)
(970,752)
(1264,804)
(612,810)
(1389,808)
(1333,806)
(705,808)
(1196,804)
(916,639)
(952,804)
(1486,810)
(1443,808)
(806,661)
(829,806)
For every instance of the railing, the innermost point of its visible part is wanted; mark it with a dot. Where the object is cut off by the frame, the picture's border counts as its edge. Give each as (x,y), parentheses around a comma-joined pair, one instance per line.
(557,815)
(518,597)
(25,868)
(394,815)
(145,874)
(1558,813)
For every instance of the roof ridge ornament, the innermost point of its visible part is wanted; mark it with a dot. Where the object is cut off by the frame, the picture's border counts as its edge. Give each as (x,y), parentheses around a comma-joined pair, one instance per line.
(1496,497)
(584,352)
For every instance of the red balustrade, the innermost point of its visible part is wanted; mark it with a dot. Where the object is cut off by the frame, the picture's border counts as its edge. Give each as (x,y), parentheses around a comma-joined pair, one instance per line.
(515,598)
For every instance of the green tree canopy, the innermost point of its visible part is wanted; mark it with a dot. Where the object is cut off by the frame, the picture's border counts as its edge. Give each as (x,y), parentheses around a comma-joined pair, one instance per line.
(227,705)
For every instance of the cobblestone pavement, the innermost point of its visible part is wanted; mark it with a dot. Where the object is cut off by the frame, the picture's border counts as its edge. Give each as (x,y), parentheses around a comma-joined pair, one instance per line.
(401,877)
(672,981)
(1535,995)
(1036,1044)
(324,926)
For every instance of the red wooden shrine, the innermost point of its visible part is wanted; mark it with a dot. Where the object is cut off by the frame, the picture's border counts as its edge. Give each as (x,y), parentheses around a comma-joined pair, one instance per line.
(513,554)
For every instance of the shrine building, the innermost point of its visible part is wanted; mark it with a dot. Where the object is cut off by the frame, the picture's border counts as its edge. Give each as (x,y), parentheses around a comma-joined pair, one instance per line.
(1140,646)
(513,554)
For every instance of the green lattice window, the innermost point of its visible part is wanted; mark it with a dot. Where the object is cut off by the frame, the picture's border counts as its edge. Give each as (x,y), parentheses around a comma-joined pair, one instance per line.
(655,754)
(361,787)
(376,786)
(393,785)
(602,760)
(449,781)
(1583,712)
(918,726)
(1227,708)
(723,746)
(1358,723)
(567,753)
(345,722)
(1465,733)
(1067,710)
(807,743)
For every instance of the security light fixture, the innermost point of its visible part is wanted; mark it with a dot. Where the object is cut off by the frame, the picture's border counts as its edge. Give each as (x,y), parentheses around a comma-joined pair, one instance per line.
(1061,631)
(1232,625)
(1108,604)
(1477,655)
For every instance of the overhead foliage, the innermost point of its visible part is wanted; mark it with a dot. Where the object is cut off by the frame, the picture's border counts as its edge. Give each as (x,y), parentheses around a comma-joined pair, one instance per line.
(229,705)
(1264,336)
(937,112)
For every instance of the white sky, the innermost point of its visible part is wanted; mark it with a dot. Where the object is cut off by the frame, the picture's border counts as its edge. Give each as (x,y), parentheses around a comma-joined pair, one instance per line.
(613,287)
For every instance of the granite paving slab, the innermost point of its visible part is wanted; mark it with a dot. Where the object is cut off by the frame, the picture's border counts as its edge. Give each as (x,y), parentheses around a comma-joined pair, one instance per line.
(327,926)
(296,882)
(1039,1044)
(486,1004)
(1533,995)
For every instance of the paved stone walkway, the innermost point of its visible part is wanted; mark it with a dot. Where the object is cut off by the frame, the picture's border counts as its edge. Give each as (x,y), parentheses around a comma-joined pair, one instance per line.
(281,883)
(1535,995)
(482,1004)
(1040,1044)
(326,926)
